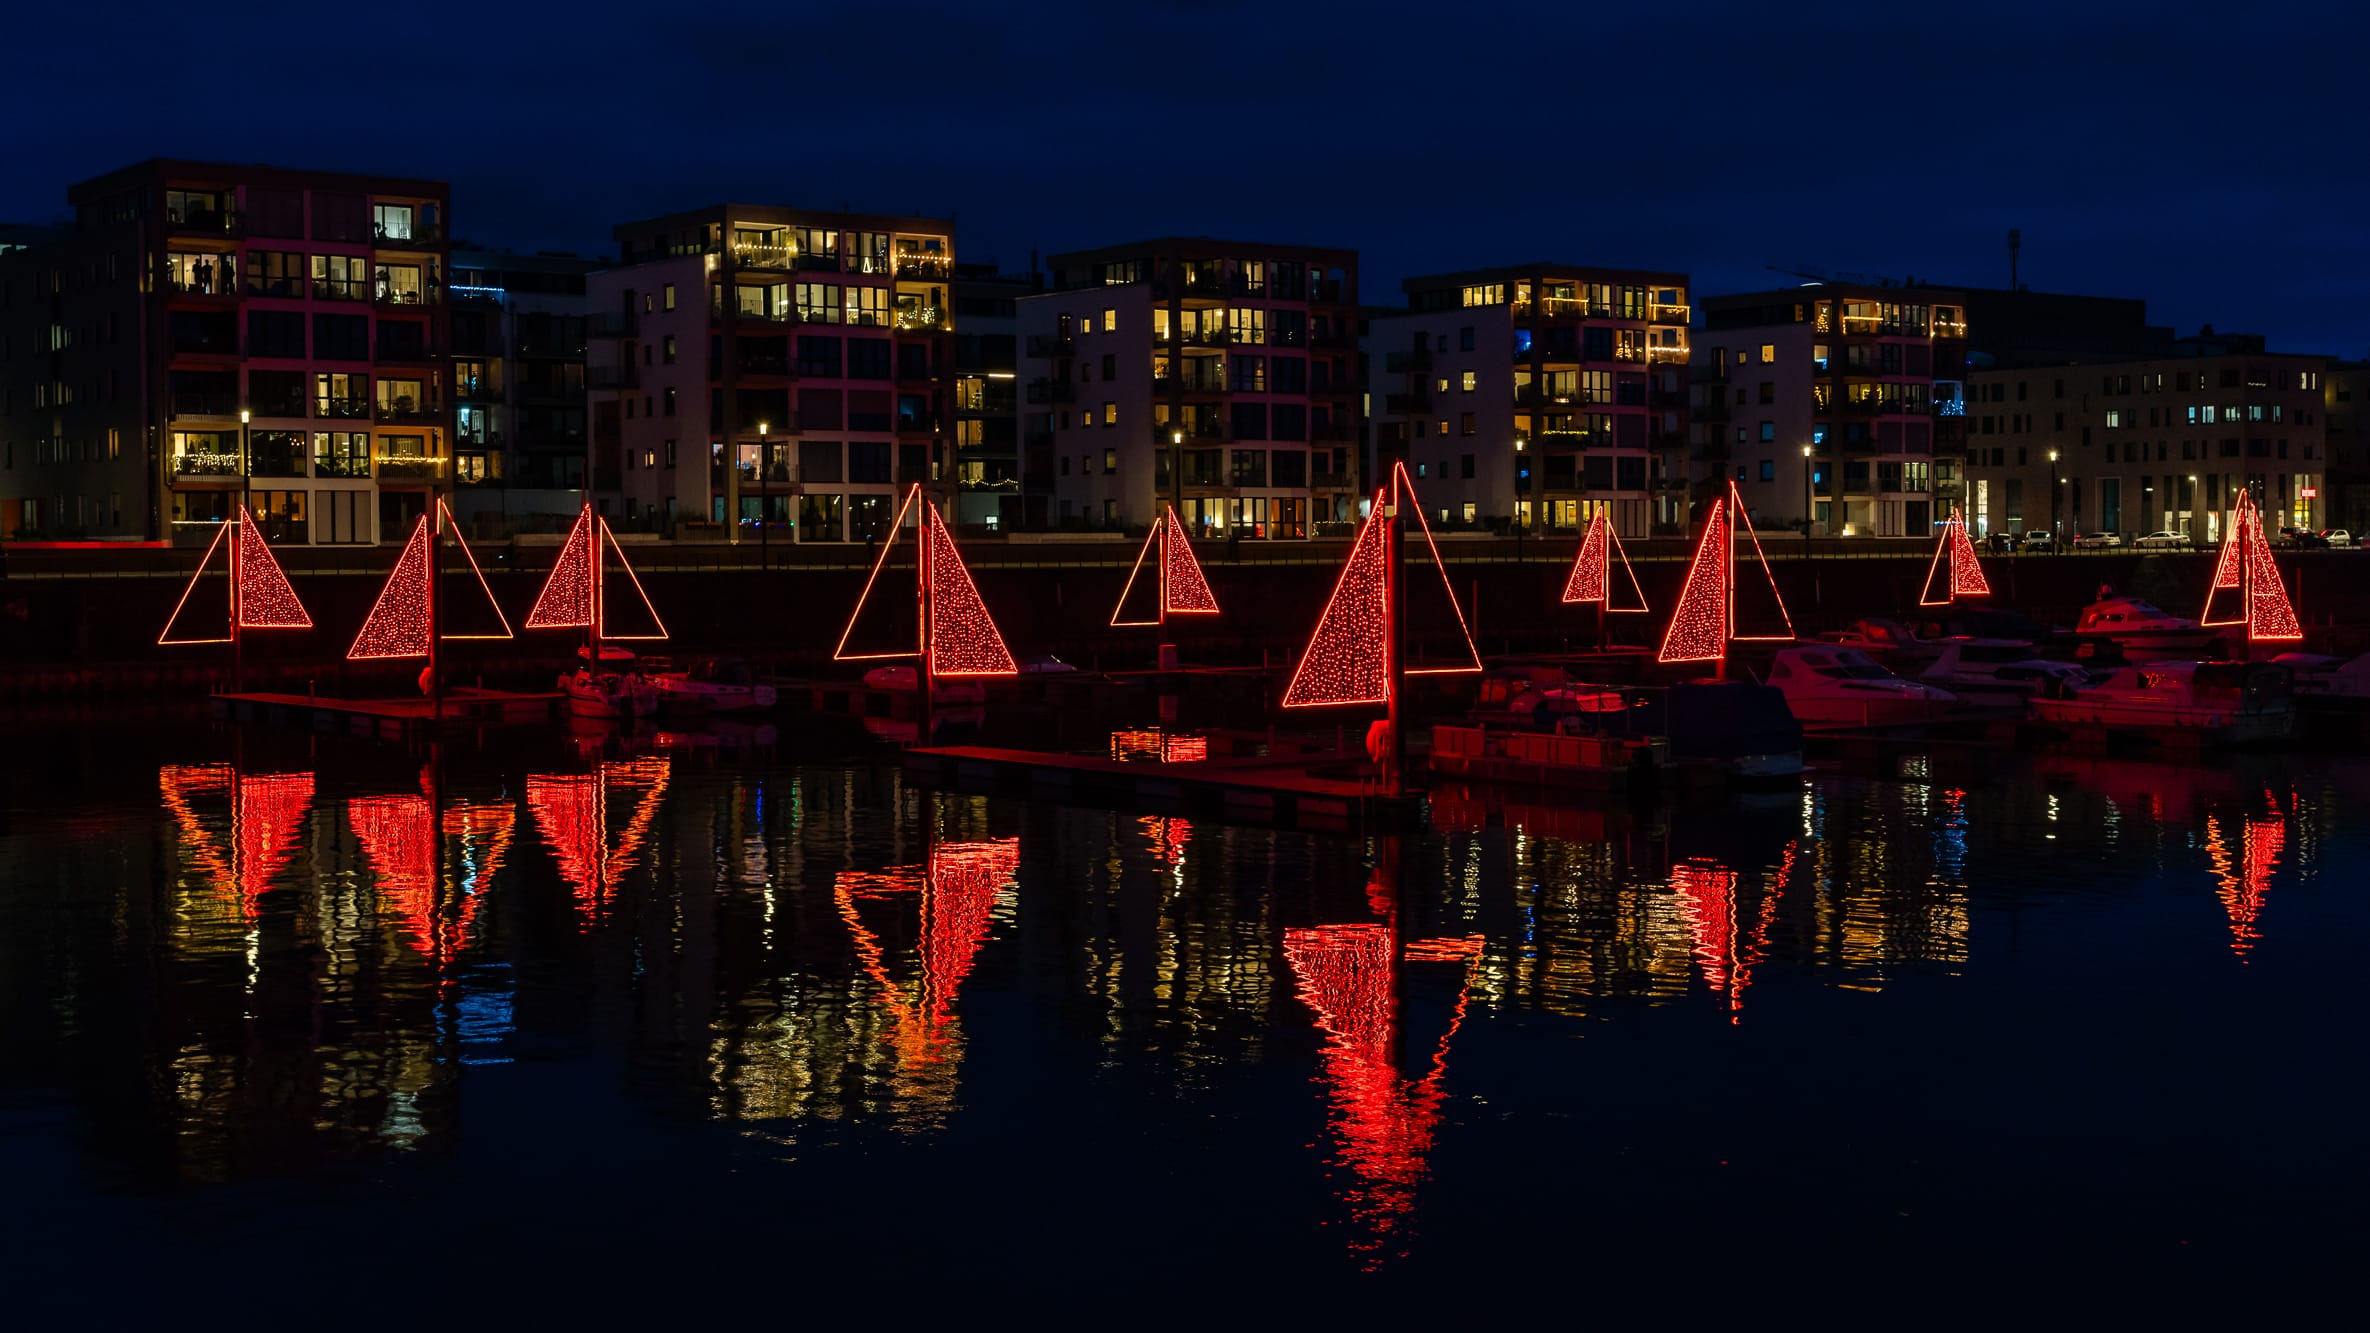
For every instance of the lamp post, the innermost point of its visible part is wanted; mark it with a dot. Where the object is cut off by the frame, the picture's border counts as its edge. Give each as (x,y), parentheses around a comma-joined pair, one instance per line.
(1808,503)
(1522,496)
(764,499)
(2053,533)
(2189,520)
(238,644)
(1177,470)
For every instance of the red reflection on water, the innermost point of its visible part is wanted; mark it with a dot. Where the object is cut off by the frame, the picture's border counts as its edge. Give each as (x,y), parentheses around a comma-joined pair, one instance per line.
(572,810)
(1168,836)
(957,892)
(1727,947)
(399,837)
(1141,745)
(2243,876)
(1382,1121)
(266,815)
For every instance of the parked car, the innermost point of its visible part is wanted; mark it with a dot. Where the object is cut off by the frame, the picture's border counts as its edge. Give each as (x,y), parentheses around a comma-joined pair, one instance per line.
(2167,540)
(2302,539)
(2000,543)
(2039,541)
(2338,537)
(2097,541)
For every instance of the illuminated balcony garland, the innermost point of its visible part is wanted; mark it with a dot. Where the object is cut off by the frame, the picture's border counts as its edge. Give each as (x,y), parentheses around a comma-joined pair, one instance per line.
(1966,572)
(1591,579)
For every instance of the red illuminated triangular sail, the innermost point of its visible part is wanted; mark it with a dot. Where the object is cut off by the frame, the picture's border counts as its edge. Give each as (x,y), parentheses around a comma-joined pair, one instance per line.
(398,623)
(1963,574)
(1698,630)
(1183,589)
(871,581)
(2271,618)
(567,599)
(266,599)
(1591,579)
(1346,661)
(963,638)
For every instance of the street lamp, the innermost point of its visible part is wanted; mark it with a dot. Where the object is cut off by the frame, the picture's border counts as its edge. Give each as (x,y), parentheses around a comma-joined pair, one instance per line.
(1522,496)
(2189,520)
(2053,532)
(1807,502)
(764,499)
(1177,469)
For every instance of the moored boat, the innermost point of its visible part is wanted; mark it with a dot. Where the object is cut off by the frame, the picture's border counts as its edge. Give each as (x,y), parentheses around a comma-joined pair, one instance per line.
(714,685)
(2144,630)
(2231,703)
(1837,686)
(1998,667)
(610,687)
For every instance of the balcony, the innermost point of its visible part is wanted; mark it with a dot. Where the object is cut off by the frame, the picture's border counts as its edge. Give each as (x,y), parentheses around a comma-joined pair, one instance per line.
(407,467)
(748,368)
(764,256)
(205,405)
(1407,404)
(1325,291)
(1407,363)
(341,409)
(1204,337)
(1670,356)
(409,352)
(612,377)
(1208,428)
(1950,328)
(1049,344)
(341,289)
(921,318)
(408,411)
(291,288)
(407,298)
(783,314)
(198,464)
(216,282)
(1044,391)
(816,261)
(205,222)
(419,236)
(923,268)
(1561,439)
(1667,314)
(615,324)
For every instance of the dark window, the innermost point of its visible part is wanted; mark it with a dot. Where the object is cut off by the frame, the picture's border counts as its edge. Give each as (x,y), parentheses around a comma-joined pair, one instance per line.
(275,333)
(1287,421)
(1596,344)
(818,357)
(869,461)
(340,217)
(819,409)
(818,460)
(1288,467)
(341,337)
(868,358)
(913,361)
(1465,466)
(1250,467)
(1465,338)
(1288,374)
(1250,421)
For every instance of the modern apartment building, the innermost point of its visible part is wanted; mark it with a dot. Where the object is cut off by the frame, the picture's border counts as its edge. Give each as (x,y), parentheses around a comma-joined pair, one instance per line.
(1836,403)
(1217,376)
(1535,395)
(518,390)
(206,328)
(2133,447)
(753,363)
(2347,408)
(989,490)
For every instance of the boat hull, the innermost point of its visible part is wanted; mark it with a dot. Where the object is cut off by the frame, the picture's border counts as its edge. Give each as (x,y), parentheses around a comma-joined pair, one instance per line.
(2222,726)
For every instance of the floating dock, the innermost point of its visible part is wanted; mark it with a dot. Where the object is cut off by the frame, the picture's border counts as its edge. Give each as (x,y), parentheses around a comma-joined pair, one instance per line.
(1277,794)
(392,719)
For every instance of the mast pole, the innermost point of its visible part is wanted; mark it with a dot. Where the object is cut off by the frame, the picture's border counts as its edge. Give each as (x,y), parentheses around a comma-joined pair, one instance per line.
(927,676)
(1394,645)
(238,645)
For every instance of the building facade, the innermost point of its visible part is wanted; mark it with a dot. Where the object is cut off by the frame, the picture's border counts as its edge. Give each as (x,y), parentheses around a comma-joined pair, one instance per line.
(989,489)
(2134,447)
(519,440)
(1833,404)
(752,364)
(1216,376)
(1533,396)
(206,329)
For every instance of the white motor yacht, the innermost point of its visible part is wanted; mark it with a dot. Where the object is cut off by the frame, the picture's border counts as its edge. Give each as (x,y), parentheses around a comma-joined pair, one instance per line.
(714,685)
(2144,630)
(609,687)
(1831,685)
(2236,703)
(1998,667)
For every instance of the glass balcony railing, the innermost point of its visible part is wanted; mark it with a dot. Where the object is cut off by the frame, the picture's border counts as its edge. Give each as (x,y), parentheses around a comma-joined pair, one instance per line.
(197,463)
(407,466)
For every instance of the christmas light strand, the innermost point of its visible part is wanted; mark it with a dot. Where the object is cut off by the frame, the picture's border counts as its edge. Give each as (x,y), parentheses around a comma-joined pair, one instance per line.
(397,625)
(1591,579)
(962,636)
(1698,630)
(1966,572)
(896,533)
(2271,618)
(566,601)
(1347,658)
(1184,590)
(266,599)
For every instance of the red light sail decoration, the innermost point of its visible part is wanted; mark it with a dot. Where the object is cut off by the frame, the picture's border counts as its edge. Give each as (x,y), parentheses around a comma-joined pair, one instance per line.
(953,633)
(260,595)
(572,811)
(1591,579)
(572,597)
(1184,591)
(2246,565)
(1348,658)
(266,819)
(1382,1122)
(1966,572)
(399,623)
(1705,622)
(957,892)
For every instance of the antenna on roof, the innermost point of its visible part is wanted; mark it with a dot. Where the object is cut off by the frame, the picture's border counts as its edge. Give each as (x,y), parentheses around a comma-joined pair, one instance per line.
(2015,243)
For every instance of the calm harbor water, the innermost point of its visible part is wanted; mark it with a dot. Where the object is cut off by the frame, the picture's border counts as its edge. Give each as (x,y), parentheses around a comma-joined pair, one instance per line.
(334,1027)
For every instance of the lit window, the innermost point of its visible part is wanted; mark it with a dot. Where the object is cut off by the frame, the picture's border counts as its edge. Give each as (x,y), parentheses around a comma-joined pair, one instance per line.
(1110,320)
(1110,460)
(1471,381)
(670,295)
(1110,414)
(1768,353)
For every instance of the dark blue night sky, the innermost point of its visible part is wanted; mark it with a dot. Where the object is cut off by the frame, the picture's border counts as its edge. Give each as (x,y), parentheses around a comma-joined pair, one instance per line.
(2210,158)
